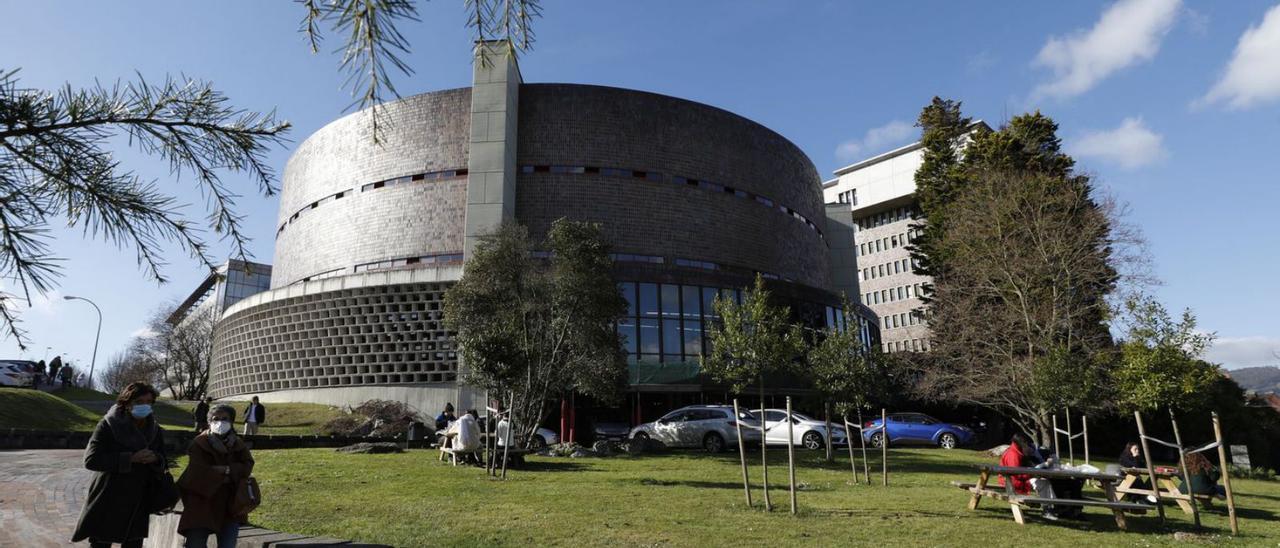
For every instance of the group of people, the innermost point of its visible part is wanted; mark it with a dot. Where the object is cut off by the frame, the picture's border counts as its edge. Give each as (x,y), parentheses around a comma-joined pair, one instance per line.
(1025,454)
(462,435)
(56,372)
(255,415)
(127,455)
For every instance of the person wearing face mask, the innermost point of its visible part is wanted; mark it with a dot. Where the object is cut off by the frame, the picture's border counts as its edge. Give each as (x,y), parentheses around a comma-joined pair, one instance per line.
(217,461)
(126,452)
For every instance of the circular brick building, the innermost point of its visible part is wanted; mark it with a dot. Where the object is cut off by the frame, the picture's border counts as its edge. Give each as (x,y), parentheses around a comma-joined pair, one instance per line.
(694,200)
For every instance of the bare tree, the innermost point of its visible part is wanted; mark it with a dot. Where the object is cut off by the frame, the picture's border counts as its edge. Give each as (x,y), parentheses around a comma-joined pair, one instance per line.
(1019,318)
(128,366)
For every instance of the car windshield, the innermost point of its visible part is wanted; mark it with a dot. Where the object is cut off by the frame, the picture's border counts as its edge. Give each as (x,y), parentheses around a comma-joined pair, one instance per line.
(798,416)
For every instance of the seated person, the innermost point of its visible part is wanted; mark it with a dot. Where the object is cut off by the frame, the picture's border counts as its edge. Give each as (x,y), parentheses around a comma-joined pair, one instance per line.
(1131,457)
(463,436)
(1024,454)
(1204,477)
(445,418)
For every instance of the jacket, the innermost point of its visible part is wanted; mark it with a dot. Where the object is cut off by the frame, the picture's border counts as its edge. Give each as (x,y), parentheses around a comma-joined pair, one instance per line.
(262,413)
(207,496)
(1013,457)
(114,510)
(1202,483)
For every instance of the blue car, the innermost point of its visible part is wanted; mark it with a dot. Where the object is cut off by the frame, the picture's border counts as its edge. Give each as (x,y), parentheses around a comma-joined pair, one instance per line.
(918,428)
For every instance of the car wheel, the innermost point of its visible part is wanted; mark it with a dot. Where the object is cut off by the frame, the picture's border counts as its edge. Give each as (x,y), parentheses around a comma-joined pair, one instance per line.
(947,440)
(713,443)
(538,442)
(643,436)
(812,441)
(877,439)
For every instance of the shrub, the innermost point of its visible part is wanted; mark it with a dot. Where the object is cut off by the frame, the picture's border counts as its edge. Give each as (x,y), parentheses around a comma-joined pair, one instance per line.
(1255,473)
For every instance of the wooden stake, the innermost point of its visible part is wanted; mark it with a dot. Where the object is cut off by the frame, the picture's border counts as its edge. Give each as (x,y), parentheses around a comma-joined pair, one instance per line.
(1084,423)
(826,411)
(491,440)
(1057,455)
(1186,474)
(791,456)
(1151,469)
(764,451)
(866,466)
(511,425)
(884,446)
(742,451)
(1071,445)
(848,436)
(1224,465)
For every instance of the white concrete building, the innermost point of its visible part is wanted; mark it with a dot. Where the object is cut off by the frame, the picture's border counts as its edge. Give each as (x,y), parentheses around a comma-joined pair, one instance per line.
(880,192)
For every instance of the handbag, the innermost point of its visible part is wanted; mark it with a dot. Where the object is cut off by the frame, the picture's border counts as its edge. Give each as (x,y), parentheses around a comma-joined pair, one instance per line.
(248,497)
(163,493)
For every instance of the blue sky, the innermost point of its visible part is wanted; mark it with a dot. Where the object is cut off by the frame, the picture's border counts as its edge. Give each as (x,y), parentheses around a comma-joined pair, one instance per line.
(1174,106)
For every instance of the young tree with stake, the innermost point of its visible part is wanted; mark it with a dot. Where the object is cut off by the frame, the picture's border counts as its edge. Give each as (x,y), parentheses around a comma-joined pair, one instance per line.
(751,341)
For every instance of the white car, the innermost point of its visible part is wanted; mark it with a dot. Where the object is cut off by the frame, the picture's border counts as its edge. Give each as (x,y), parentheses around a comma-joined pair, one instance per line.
(807,432)
(542,437)
(14,374)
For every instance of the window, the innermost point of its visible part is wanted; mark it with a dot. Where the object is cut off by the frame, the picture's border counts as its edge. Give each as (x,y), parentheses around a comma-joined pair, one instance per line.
(670,301)
(649,300)
(691,301)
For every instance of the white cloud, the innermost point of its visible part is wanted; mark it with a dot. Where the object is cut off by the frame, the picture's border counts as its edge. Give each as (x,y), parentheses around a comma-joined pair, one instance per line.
(1129,32)
(1237,352)
(876,141)
(1131,145)
(1253,74)
(142,332)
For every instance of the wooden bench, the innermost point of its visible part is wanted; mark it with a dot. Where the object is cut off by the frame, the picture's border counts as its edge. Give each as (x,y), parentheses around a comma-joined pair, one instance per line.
(1167,480)
(1018,502)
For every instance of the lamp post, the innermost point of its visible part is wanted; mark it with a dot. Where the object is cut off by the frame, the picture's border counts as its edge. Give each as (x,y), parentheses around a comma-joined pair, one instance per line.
(93,362)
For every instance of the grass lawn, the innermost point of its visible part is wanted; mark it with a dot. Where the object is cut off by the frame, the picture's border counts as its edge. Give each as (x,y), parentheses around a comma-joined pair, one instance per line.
(283,419)
(35,410)
(78,409)
(687,499)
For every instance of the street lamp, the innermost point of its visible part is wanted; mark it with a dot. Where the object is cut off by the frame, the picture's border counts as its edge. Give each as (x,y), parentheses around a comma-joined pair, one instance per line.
(94,361)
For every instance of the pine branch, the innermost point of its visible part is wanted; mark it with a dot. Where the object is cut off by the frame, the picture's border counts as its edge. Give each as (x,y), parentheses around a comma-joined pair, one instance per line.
(55,162)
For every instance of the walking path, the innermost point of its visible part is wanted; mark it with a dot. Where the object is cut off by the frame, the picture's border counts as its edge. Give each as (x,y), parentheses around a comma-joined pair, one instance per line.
(41,493)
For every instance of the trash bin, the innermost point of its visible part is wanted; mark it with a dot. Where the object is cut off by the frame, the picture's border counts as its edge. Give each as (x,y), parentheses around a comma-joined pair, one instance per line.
(417,431)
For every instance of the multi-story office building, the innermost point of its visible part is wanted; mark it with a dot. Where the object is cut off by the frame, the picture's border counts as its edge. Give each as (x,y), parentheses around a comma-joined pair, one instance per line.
(695,201)
(881,194)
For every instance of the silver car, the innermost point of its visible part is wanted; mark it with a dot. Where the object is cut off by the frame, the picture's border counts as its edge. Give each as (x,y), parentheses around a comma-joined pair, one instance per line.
(710,427)
(807,432)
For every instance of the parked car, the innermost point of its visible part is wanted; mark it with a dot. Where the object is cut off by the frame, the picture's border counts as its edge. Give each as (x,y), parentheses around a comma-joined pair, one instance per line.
(806,432)
(610,430)
(542,437)
(918,428)
(15,373)
(711,427)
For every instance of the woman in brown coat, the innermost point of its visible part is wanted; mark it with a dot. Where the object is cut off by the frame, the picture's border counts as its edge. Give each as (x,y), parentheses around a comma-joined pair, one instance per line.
(216,463)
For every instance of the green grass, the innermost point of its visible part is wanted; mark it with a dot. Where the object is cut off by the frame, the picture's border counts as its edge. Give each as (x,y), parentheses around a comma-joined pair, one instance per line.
(35,410)
(78,409)
(283,419)
(687,499)
(76,393)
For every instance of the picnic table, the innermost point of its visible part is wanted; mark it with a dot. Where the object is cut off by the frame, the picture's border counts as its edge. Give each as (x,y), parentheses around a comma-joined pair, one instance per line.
(1166,481)
(1018,502)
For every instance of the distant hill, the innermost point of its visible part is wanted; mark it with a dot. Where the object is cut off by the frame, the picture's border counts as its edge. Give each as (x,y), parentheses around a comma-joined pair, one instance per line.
(1258,379)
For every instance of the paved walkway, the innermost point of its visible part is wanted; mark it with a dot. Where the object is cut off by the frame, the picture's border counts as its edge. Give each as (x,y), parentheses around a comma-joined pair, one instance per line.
(41,493)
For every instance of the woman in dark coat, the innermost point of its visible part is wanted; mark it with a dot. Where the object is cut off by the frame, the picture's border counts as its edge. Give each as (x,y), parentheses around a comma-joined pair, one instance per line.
(216,462)
(127,454)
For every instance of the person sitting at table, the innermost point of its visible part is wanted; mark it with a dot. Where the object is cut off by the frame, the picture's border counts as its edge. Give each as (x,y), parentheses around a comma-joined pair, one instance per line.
(1204,477)
(1024,454)
(463,436)
(1131,457)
